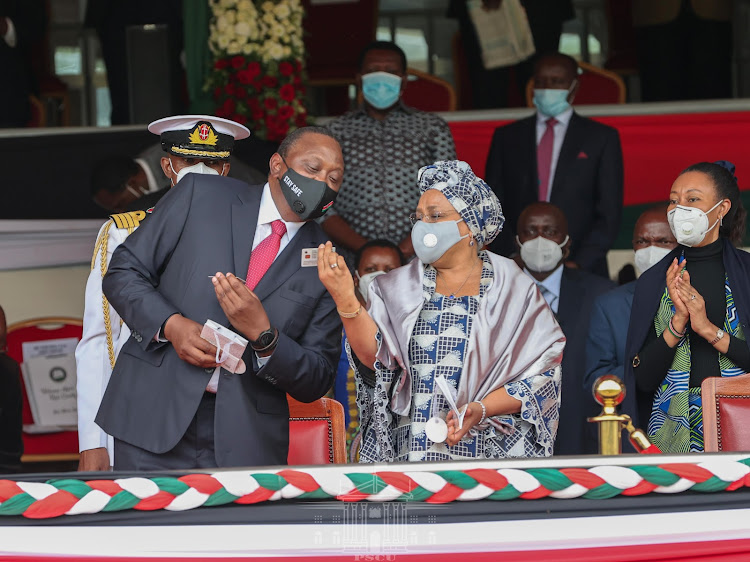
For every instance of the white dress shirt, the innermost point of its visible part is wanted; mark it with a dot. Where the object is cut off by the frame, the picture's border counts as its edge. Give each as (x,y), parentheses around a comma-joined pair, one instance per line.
(550,287)
(267,213)
(561,127)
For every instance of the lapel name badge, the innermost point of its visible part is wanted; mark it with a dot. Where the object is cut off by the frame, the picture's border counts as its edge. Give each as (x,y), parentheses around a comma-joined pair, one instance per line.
(310,257)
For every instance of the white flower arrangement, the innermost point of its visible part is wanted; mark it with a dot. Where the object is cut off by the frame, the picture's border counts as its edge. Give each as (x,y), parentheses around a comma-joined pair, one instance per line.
(271,30)
(258,73)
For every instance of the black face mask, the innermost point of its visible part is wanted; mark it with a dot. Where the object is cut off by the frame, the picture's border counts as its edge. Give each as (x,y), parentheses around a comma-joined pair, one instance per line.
(308,197)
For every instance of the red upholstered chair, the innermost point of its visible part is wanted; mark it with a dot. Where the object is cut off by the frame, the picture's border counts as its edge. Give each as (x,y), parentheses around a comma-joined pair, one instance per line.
(317,434)
(47,447)
(596,86)
(726,413)
(428,93)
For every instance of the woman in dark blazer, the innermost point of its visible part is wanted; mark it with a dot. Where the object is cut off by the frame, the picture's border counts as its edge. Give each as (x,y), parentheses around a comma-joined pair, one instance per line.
(690,311)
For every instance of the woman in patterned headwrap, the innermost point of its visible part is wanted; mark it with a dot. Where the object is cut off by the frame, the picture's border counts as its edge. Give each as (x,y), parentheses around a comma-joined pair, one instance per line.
(457,318)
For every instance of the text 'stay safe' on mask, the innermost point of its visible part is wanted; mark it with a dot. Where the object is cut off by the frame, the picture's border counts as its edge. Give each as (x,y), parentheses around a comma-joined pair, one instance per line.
(541,254)
(689,224)
(432,239)
(308,198)
(381,89)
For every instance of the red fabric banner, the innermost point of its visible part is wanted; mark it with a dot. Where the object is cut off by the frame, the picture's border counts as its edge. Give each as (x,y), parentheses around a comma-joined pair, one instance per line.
(656,148)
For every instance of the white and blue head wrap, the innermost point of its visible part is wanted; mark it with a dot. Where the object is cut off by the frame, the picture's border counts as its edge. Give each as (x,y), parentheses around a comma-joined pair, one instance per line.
(474,200)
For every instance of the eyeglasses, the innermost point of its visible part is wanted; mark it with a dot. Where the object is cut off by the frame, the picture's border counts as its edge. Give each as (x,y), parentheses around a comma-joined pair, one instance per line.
(432,217)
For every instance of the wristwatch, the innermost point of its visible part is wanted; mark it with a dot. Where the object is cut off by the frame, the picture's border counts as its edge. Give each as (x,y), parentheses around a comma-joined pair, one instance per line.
(719,335)
(266,340)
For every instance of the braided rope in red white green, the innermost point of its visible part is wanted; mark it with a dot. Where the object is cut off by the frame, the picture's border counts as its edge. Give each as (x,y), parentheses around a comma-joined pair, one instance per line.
(37,500)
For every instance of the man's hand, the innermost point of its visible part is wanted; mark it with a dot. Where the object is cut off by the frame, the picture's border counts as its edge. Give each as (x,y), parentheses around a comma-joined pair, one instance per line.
(94,460)
(185,335)
(242,307)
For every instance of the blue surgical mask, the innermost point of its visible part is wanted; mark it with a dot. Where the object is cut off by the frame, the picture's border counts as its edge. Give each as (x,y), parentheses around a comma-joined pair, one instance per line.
(381,89)
(552,102)
(432,239)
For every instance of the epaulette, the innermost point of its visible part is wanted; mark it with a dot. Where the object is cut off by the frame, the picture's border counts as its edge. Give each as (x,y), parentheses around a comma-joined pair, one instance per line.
(129,220)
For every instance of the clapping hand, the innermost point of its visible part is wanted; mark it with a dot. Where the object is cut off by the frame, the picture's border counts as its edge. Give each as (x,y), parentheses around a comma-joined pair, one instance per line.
(695,305)
(674,275)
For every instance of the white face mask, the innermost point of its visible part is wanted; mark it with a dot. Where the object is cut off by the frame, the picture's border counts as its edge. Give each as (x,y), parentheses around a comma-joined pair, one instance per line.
(199,168)
(648,257)
(689,224)
(365,281)
(541,254)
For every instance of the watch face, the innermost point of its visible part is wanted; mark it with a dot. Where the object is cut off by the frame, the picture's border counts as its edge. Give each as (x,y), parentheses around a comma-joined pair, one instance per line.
(265,339)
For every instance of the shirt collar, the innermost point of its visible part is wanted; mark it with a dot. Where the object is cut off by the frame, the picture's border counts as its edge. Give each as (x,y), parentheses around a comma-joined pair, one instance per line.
(552,282)
(563,118)
(267,213)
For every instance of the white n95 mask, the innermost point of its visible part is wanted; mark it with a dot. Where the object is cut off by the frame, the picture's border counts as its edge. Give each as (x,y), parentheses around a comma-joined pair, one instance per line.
(199,168)
(541,254)
(646,258)
(689,224)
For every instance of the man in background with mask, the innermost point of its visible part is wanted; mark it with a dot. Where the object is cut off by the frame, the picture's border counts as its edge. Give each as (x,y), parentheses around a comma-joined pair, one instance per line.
(560,157)
(167,404)
(608,327)
(121,183)
(544,246)
(385,143)
(103,331)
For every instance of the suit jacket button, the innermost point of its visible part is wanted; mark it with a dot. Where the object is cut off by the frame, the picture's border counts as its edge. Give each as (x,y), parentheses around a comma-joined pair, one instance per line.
(209,370)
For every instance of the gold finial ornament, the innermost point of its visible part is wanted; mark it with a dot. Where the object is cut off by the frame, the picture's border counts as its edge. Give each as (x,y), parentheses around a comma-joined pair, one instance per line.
(609,391)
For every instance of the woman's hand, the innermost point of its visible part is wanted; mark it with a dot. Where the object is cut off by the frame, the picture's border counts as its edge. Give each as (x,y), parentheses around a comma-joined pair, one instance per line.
(696,306)
(471,418)
(681,314)
(242,307)
(336,278)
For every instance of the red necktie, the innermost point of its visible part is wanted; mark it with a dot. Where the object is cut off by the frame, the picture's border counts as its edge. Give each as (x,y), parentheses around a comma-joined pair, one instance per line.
(264,254)
(544,157)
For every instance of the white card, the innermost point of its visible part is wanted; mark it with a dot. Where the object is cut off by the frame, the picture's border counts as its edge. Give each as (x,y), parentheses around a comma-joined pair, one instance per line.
(51,388)
(310,257)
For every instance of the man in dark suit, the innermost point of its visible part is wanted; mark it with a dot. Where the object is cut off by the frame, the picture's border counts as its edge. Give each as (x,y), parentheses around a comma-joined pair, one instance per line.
(166,404)
(544,247)
(560,157)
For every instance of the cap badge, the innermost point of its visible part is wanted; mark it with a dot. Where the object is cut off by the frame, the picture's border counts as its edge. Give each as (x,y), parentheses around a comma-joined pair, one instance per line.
(203,134)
